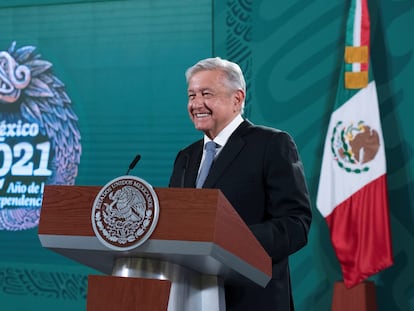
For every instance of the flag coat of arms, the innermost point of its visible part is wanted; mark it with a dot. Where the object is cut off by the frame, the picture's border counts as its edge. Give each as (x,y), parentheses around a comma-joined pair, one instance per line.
(352,192)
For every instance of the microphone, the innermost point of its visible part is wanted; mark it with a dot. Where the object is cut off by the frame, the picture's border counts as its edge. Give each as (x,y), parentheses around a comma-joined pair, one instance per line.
(186,160)
(133,163)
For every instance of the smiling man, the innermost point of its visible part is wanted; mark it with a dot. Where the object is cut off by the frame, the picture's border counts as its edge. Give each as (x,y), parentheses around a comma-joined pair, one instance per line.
(213,100)
(257,168)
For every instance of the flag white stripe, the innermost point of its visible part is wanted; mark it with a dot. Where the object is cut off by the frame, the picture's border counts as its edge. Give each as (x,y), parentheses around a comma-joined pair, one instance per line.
(357,23)
(356,67)
(335,184)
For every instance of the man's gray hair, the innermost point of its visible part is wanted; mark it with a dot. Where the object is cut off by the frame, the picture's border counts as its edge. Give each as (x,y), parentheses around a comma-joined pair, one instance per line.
(232,71)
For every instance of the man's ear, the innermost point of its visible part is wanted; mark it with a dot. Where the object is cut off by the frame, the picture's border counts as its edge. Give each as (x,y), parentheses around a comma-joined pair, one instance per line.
(238,98)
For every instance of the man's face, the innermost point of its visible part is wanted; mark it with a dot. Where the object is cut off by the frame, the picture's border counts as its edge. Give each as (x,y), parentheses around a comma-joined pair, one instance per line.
(211,104)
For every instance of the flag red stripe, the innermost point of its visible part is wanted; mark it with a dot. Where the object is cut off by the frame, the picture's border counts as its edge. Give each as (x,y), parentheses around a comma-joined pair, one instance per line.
(360,232)
(365,30)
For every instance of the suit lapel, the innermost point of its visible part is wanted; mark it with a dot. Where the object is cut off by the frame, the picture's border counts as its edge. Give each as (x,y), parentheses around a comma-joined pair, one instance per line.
(195,154)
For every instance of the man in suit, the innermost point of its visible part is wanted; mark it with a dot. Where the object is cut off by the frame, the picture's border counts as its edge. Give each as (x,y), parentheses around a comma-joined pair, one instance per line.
(259,171)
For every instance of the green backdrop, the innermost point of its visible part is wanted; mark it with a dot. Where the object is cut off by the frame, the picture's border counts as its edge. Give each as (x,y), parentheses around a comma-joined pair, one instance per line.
(123,62)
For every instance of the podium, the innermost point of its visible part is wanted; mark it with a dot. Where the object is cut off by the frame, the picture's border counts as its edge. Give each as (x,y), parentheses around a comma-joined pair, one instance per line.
(199,243)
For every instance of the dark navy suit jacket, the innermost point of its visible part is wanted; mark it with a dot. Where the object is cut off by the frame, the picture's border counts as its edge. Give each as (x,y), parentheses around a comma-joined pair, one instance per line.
(260,173)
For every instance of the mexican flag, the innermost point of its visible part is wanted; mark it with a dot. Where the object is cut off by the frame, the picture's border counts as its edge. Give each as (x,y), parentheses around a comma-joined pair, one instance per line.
(352,193)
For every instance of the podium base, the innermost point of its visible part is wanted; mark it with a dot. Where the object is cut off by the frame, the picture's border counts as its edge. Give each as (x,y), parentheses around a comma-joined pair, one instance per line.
(112,293)
(190,290)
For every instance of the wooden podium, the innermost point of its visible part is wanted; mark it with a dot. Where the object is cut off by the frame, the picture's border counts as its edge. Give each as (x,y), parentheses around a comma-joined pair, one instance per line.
(199,243)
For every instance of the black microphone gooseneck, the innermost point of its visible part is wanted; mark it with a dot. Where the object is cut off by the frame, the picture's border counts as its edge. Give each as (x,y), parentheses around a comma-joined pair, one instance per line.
(185,166)
(133,163)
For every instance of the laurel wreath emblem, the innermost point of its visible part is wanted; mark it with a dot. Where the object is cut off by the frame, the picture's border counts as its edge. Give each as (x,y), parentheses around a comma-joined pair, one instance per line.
(125,213)
(353,146)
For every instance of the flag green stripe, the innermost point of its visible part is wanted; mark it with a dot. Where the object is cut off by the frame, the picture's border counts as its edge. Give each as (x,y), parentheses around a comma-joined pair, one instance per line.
(349,35)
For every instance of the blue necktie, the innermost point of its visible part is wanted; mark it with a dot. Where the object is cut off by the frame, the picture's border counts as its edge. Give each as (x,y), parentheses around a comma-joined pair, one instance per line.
(208,160)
